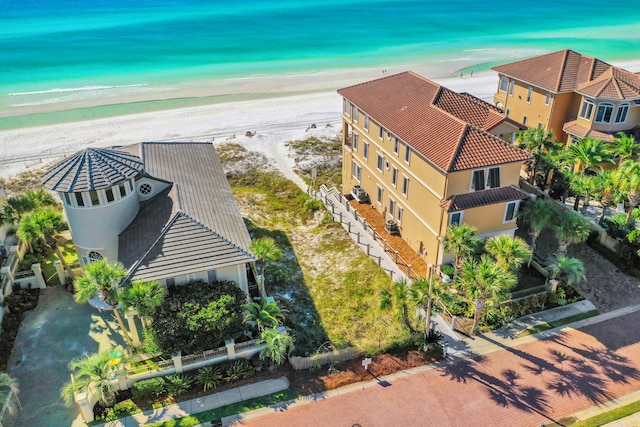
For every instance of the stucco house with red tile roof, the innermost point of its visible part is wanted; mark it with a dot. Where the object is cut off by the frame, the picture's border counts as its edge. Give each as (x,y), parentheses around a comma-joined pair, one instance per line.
(573,95)
(429,157)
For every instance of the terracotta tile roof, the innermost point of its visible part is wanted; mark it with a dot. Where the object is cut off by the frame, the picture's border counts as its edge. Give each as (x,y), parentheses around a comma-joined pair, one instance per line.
(445,127)
(92,169)
(474,199)
(615,83)
(560,71)
(576,129)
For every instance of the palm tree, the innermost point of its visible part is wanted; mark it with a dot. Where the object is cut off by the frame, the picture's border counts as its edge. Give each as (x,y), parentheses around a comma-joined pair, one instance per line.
(538,142)
(509,252)
(627,179)
(624,147)
(8,389)
(586,153)
(606,191)
(103,278)
(571,270)
(94,372)
(582,185)
(266,250)
(398,299)
(43,225)
(265,314)
(483,282)
(461,240)
(144,296)
(16,206)
(569,228)
(277,345)
(537,215)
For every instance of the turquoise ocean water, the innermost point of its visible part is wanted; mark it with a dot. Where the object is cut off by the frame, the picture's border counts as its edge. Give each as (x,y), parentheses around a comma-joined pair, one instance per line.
(58,51)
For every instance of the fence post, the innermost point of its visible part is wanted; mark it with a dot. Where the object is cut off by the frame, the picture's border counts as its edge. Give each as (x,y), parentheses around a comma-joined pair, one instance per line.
(396,261)
(340,217)
(409,271)
(379,261)
(177,362)
(368,249)
(358,237)
(349,227)
(231,349)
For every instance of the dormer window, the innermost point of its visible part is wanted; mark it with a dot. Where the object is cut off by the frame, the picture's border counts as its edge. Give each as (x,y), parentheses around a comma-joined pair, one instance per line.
(604,113)
(482,179)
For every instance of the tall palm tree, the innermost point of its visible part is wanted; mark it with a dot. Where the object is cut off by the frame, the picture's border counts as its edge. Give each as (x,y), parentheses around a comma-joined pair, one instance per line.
(144,296)
(509,252)
(277,345)
(44,225)
(570,270)
(624,147)
(94,372)
(104,279)
(627,179)
(586,153)
(537,215)
(483,282)
(266,250)
(538,142)
(16,206)
(606,191)
(569,228)
(8,389)
(265,314)
(397,298)
(461,240)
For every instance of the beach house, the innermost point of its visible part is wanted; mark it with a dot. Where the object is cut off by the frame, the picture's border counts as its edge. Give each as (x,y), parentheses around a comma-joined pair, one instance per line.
(427,157)
(573,95)
(164,210)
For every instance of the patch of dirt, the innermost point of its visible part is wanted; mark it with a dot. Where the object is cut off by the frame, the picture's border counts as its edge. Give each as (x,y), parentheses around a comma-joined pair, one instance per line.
(16,305)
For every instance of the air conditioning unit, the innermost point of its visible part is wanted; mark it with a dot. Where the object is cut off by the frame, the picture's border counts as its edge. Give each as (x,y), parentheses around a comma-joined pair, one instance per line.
(360,194)
(392,227)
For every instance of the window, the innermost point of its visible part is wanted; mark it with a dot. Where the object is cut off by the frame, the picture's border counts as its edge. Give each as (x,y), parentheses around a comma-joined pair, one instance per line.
(356,113)
(511,211)
(130,185)
(380,132)
(512,84)
(94,256)
(504,84)
(573,140)
(604,113)
(170,281)
(539,125)
(524,120)
(366,122)
(394,176)
(407,153)
(493,181)
(212,276)
(400,212)
(455,218)
(587,109)
(95,200)
(405,186)
(392,207)
(67,199)
(79,199)
(478,181)
(380,162)
(396,145)
(355,141)
(621,115)
(109,193)
(529,94)
(145,188)
(547,100)
(347,107)
(365,154)
(380,194)
(356,171)
(123,190)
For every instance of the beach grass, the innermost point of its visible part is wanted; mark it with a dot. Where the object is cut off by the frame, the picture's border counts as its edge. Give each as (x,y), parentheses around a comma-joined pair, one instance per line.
(556,323)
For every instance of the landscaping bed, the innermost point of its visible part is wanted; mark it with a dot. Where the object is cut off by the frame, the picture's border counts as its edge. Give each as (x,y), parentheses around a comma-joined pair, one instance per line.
(16,305)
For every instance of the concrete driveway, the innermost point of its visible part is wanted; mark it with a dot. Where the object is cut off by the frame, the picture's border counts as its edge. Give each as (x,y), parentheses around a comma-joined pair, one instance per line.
(57,331)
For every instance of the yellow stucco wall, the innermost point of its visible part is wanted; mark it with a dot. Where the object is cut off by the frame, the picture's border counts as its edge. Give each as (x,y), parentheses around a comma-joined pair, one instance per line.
(460,182)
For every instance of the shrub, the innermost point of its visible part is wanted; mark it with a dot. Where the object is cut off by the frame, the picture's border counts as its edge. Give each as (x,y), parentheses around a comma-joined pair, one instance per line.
(178,385)
(144,389)
(313,205)
(209,378)
(448,269)
(119,410)
(237,371)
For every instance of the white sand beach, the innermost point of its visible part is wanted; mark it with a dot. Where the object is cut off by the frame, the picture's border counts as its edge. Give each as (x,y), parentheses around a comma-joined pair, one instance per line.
(274,121)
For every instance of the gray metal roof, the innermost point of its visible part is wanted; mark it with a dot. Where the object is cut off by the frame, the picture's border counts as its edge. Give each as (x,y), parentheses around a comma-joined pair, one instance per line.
(195,225)
(92,169)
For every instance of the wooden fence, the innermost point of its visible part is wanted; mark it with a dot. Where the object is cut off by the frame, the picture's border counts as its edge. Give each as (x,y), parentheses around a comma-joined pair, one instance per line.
(322,359)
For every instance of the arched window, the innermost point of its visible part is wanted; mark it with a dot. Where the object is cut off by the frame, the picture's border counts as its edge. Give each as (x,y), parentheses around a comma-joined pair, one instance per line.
(94,256)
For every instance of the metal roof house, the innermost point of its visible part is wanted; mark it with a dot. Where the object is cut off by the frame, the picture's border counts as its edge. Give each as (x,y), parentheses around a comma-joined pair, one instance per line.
(164,210)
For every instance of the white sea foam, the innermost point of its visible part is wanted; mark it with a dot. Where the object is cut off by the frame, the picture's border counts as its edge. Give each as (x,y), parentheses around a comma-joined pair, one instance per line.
(75,89)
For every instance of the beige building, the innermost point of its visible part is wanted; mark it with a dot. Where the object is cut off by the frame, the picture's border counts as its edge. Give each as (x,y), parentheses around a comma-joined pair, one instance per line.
(428,157)
(573,95)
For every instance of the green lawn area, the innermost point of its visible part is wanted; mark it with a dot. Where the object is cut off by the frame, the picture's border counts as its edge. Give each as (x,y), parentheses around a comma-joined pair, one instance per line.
(70,256)
(559,322)
(609,416)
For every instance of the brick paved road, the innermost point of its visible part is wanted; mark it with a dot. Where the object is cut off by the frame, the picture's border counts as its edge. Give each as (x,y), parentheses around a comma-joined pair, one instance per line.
(524,386)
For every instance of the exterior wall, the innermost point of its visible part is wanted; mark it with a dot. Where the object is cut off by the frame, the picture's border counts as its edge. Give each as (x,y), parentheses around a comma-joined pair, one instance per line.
(515,102)
(146,183)
(460,182)
(565,109)
(235,273)
(489,220)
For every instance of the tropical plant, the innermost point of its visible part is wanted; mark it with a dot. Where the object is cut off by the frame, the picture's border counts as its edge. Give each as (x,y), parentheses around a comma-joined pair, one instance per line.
(209,377)
(537,215)
(265,314)
(569,228)
(606,191)
(627,179)
(43,225)
(277,345)
(237,371)
(583,186)
(177,385)
(151,387)
(8,389)
(569,270)
(16,206)
(624,147)
(104,279)
(96,373)
(483,282)
(461,240)
(538,142)
(509,252)
(144,296)
(266,250)
(586,153)
(397,298)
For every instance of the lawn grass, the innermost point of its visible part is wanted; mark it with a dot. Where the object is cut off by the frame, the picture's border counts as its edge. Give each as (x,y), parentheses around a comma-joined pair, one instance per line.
(560,322)
(609,416)
(68,250)
(225,411)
